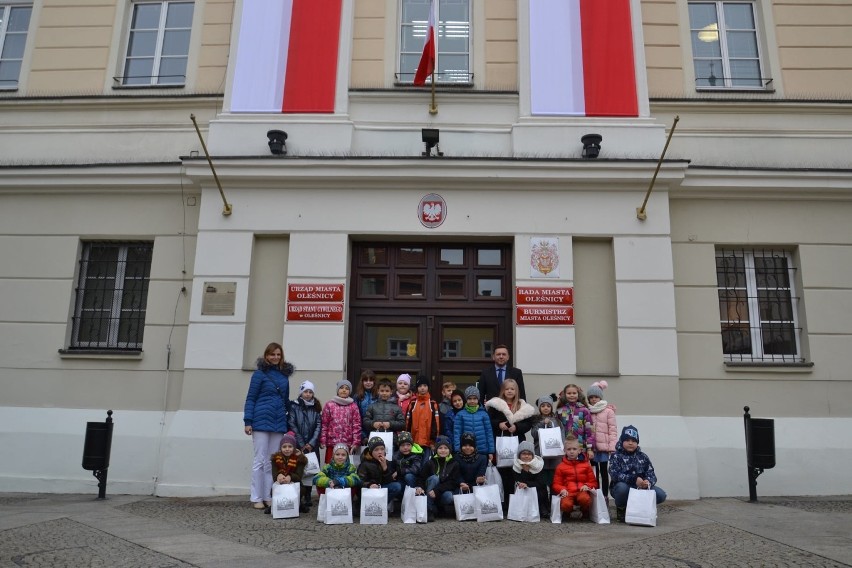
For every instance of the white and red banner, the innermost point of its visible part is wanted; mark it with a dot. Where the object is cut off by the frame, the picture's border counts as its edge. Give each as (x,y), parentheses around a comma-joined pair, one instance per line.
(581,58)
(287,56)
(427,60)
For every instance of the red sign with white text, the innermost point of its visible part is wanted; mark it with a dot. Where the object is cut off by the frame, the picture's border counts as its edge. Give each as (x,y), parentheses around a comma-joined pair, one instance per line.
(315,293)
(538,295)
(544,315)
(304,311)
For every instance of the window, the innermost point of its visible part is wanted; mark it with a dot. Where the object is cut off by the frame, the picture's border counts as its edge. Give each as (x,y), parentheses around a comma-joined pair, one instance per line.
(158,43)
(758,305)
(452,348)
(112,294)
(725,47)
(452,38)
(14,23)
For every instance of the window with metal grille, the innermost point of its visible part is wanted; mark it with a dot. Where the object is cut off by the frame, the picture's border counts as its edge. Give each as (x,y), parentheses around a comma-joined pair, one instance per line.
(758,305)
(112,295)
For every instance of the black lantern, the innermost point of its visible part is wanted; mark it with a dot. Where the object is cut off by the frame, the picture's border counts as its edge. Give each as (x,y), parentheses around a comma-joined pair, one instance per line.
(591,145)
(277,142)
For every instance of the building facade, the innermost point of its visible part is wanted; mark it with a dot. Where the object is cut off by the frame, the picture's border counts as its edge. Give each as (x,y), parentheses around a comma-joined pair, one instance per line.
(137,280)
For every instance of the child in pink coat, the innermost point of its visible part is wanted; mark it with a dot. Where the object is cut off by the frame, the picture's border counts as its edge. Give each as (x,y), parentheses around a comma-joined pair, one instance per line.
(341,421)
(605,432)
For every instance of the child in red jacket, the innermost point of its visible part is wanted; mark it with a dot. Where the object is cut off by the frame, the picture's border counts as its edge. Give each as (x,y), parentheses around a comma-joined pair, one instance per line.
(574,480)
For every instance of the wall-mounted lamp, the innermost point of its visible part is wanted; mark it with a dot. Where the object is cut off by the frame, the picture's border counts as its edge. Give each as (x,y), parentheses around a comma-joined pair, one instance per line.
(591,145)
(277,142)
(430,138)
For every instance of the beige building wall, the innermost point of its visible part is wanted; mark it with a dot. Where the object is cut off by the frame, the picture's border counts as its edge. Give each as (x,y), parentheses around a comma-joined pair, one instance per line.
(664,56)
(78,47)
(46,214)
(815,48)
(821,240)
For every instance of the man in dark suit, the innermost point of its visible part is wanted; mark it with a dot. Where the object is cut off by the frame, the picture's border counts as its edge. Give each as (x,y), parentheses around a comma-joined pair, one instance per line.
(493,376)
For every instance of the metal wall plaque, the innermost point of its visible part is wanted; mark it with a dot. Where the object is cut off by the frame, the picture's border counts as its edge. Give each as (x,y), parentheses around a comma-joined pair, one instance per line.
(219,299)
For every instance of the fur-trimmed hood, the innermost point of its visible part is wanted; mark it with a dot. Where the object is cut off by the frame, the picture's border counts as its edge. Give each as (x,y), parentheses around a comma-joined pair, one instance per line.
(525,411)
(287,369)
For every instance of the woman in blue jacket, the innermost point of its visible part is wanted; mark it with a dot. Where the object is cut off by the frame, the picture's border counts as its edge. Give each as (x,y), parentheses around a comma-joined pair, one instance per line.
(265,418)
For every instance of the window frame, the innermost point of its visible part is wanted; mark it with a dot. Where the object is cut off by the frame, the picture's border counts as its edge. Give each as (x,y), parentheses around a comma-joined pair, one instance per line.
(5,17)
(722,32)
(406,77)
(153,80)
(118,314)
(752,301)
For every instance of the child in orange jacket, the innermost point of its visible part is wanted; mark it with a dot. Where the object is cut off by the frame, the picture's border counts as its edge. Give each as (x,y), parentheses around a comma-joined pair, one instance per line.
(574,480)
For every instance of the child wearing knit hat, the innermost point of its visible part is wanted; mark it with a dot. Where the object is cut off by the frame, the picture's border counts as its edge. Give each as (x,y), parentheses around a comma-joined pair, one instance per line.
(423,418)
(403,394)
(630,467)
(527,470)
(341,421)
(473,418)
(440,479)
(377,471)
(547,419)
(306,421)
(605,432)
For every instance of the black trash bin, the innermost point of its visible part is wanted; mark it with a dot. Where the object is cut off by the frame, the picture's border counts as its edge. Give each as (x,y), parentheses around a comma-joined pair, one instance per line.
(761,443)
(96,448)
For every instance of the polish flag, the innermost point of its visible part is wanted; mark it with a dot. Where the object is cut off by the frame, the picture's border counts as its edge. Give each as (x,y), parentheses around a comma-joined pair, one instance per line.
(287,56)
(581,58)
(427,60)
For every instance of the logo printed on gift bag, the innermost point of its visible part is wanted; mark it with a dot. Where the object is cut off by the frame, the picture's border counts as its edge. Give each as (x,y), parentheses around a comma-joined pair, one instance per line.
(339,510)
(467,508)
(507,453)
(285,504)
(373,510)
(551,443)
(488,507)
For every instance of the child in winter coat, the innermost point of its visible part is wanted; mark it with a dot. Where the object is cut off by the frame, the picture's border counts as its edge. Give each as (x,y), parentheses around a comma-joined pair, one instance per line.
(446,404)
(630,467)
(527,473)
(384,414)
(474,419)
(341,421)
(339,473)
(409,459)
(306,421)
(547,419)
(423,418)
(403,394)
(574,480)
(605,432)
(440,479)
(472,464)
(365,395)
(576,419)
(448,418)
(288,465)
(510,415)
(377,472)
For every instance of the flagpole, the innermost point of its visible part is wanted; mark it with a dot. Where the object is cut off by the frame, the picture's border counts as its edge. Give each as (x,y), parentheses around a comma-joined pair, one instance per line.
(433,108)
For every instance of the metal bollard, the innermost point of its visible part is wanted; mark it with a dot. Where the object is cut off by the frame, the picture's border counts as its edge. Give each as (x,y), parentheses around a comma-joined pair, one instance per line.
(760,449)
(96,450)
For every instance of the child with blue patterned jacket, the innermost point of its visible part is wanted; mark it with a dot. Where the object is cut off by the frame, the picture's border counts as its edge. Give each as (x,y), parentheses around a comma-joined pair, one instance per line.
(474,419)
(630,467)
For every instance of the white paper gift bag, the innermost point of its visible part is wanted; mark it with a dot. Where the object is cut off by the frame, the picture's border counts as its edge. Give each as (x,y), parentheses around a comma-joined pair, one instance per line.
(641,507)
(523,506)
(465,505)
(407,511)
(488,507)
(387,438)
(311,469)
(550,442)
(507,448)
(599,513)
(374,506)
(321,508)
(338,506)
(555,511)
(285,500)
(492,477)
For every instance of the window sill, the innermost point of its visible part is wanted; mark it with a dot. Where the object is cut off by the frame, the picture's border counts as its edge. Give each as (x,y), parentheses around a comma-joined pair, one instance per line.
(103,354)
(145,87)
(760,366)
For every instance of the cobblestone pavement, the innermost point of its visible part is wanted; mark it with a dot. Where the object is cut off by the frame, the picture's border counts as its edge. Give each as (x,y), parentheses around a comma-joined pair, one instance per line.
(77,530)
